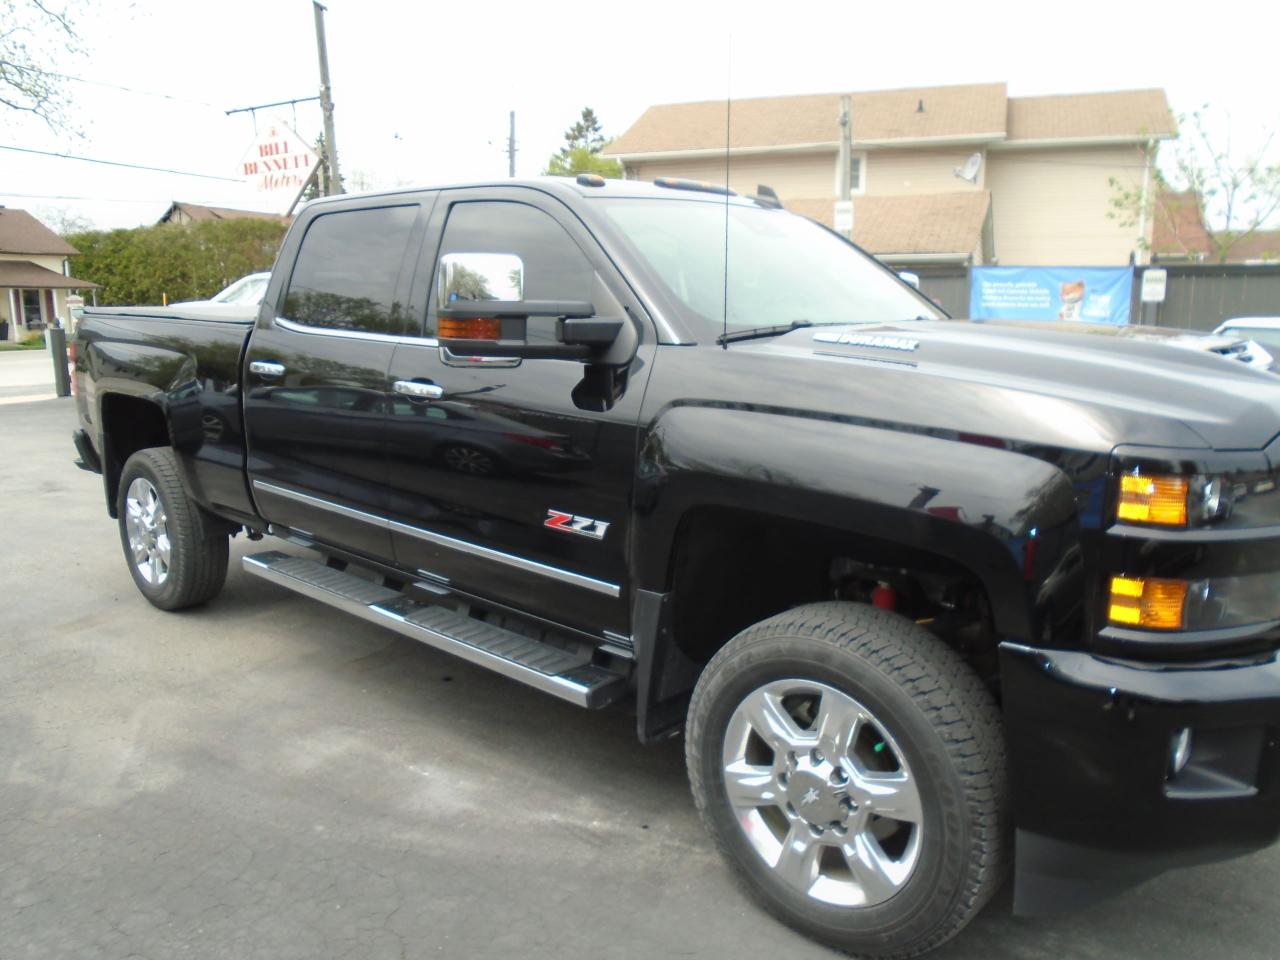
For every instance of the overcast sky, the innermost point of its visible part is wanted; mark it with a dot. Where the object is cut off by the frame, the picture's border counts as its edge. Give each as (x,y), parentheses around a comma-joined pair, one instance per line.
(422,90)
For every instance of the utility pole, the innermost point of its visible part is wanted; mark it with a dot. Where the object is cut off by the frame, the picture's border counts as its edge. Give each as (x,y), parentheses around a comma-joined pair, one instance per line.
(334,185)
(844,157)
(511,148)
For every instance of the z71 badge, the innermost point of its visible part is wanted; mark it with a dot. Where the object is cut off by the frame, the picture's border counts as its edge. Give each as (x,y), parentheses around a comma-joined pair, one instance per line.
(568,523)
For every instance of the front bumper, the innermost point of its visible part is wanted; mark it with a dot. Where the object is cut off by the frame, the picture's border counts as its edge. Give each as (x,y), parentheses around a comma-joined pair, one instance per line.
(1095,805)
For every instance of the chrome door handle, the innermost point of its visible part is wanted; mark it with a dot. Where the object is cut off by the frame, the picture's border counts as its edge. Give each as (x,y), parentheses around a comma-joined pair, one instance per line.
(265,368)
(418,391)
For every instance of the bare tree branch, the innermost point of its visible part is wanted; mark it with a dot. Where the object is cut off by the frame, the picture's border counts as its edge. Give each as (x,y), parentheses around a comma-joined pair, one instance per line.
(1232,198)
(35,35)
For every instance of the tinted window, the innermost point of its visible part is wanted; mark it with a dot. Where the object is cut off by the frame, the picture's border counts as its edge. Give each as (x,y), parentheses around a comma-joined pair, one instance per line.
(347,271)
(555,268)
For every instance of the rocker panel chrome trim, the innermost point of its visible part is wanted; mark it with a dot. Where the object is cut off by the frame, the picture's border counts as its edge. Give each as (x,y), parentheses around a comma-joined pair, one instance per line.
(511,560)
(462,546)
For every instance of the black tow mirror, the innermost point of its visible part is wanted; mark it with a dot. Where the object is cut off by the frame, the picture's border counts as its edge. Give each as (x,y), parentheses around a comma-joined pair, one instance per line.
(498,328)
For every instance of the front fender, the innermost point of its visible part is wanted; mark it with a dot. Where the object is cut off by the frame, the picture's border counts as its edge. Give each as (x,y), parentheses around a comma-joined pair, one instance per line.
(1009,518)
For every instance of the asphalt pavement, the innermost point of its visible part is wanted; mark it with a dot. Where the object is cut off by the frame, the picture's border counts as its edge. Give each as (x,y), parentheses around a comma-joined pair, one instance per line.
(25,375)
(266,778)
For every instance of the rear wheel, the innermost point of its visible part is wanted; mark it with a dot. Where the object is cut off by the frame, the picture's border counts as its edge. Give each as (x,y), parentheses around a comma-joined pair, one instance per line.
(851,769)
(177,554)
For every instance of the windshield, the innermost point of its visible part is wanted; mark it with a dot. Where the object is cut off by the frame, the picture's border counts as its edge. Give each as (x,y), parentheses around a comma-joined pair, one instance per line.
(1267,338)
(783,268)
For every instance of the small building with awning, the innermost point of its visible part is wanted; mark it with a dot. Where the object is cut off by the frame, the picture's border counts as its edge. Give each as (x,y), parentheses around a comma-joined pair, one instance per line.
(35,276)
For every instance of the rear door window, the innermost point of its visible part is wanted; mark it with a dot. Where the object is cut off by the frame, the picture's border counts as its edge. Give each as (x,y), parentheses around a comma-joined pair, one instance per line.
(348,271)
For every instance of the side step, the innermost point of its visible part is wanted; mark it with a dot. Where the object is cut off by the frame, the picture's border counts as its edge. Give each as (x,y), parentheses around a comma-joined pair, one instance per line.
(568,675)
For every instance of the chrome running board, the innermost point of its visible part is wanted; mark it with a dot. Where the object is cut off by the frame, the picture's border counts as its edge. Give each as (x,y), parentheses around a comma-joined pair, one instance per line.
(562,673)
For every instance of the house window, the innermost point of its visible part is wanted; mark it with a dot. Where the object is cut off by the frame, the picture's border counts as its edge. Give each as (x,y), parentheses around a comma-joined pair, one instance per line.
(857,173)
(32,314)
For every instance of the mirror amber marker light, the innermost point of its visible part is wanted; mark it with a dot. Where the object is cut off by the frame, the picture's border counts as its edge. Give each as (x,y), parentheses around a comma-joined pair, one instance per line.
(480,328)
(1142,602)
(1161,500)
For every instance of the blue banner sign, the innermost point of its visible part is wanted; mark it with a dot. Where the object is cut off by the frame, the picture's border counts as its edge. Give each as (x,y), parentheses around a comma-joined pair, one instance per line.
(1085,294)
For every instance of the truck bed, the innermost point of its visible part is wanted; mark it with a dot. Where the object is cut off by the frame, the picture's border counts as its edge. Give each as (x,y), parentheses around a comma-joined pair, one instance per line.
(186,359)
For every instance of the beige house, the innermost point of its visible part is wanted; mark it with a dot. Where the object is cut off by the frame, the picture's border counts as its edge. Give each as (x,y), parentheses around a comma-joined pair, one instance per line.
(1039,170)
(34,276)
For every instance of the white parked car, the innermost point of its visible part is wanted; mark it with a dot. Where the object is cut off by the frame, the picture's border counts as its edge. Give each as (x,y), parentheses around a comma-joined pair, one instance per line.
(245,290)
(1263,333)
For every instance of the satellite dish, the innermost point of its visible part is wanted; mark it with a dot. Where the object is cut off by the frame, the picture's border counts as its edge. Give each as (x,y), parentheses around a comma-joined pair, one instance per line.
(970,169)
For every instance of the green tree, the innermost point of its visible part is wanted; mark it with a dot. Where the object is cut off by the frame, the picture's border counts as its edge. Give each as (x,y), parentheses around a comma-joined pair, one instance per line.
(191,261)
(586,132)
(583,143)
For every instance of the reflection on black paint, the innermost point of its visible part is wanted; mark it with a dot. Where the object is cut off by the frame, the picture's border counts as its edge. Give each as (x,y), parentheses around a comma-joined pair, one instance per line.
(315,308)
(464,438)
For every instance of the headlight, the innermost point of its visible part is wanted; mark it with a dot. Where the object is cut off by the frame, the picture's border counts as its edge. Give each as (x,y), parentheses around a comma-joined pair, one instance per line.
(1161,500)
(1147,603)
(1199,500)
(1215,603)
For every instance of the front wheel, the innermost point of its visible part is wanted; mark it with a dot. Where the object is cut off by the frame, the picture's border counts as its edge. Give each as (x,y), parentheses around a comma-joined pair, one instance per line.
(851,769)
(176,555)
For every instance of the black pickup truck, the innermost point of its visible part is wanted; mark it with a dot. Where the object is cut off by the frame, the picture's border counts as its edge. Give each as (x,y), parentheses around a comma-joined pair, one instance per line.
(927,598)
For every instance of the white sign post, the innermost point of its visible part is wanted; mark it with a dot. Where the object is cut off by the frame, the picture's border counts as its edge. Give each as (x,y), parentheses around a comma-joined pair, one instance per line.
(75,308)
(844,218)
(1154,281)
(278,163)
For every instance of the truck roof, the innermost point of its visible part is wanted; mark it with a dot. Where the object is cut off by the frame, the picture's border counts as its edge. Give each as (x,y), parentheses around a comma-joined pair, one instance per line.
(665,188)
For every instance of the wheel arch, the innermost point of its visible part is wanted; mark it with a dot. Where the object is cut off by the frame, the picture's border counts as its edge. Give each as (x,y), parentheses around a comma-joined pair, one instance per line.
(127,423)
(715,532)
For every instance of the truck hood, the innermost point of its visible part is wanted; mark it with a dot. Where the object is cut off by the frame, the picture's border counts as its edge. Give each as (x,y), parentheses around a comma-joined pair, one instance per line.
(1099,386)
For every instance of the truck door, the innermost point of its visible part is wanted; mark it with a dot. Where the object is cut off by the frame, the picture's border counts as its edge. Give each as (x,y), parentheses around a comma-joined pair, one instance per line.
(316,379)
(508,479)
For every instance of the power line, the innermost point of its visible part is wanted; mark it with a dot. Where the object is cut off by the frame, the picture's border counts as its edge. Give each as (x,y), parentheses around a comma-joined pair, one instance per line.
(141,93)
(63,196)
(117,163)
(264,106)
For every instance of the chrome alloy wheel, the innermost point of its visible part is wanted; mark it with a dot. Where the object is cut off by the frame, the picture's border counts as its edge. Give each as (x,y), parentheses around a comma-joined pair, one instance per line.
(147,526)
(822,793)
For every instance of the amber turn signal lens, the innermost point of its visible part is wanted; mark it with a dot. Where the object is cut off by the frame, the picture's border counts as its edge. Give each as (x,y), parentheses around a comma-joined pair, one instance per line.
(1161,500)
(478,328)
(1144,602)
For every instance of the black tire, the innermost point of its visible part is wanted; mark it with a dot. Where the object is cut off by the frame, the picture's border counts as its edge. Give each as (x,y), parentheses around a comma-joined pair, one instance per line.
(943,722)
(198,546)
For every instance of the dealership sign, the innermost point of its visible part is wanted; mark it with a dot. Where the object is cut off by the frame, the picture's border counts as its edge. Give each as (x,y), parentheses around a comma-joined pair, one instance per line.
(1082,294)
(278,160)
